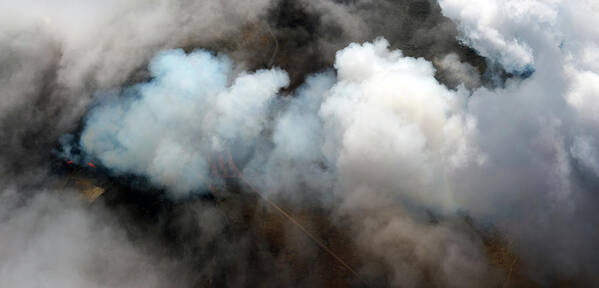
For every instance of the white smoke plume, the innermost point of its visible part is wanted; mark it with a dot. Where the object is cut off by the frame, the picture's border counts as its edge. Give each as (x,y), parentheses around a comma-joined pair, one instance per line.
(380,104)
(539,133)
(192,108)
(382,130)
(56,54)
(392,149)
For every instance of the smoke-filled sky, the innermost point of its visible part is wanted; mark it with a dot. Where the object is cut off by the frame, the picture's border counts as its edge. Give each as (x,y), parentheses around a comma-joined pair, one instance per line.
(449,143)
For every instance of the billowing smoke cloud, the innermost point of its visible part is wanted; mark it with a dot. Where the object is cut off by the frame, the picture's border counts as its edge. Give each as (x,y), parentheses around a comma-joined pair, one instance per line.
(538,133)
(168,129)
(382,130)
(55,55)
(405,160)
(380,104)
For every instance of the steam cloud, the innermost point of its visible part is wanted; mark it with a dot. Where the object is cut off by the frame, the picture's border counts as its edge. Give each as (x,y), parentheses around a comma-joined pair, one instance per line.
(374,113)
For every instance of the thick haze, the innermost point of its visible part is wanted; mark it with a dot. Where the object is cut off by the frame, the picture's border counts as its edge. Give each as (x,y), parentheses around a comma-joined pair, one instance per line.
(378,116)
